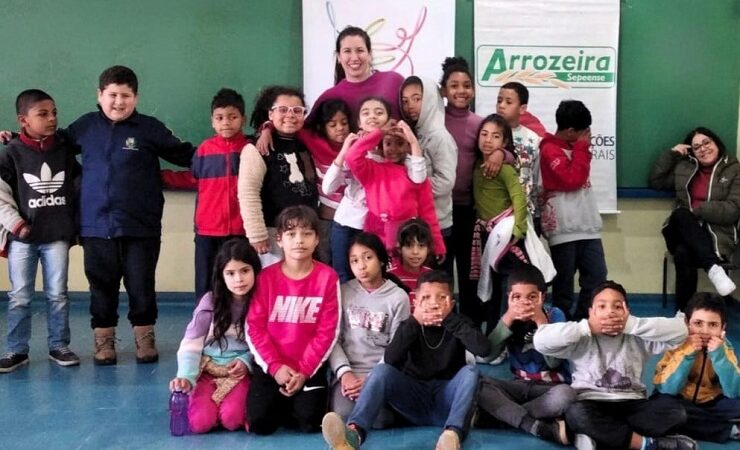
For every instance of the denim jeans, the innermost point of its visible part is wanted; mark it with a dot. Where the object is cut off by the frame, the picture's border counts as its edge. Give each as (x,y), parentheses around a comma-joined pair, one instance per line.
(445,403)
(586,256)
(22,265)
(341,236)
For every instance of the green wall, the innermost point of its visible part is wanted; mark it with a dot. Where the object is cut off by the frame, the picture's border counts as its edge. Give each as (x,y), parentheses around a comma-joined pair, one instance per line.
(679,62)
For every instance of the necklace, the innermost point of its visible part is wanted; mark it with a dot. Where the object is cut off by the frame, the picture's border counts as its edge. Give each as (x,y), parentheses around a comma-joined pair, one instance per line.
(426,342)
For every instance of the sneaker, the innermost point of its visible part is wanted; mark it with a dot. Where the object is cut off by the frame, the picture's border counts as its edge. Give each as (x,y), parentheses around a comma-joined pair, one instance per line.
(675,442)
(722,283)
(338,435)
(11,361)
(64,357)
(584,442)
(448,440)
(554,431)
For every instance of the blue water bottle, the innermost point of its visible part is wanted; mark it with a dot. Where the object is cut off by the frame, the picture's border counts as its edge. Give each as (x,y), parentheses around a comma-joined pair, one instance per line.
(179,425)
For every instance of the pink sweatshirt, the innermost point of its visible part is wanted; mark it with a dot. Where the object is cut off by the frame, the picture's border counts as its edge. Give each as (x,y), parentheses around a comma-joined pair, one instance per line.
(294,322)
(391,196)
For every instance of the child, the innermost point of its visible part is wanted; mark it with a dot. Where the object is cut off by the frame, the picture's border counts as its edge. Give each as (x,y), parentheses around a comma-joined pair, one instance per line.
(703,375)
(39,179)
(213,360)
(539,393)
(284,177)
(422,106)
(214,175)
(607,353)
(373,305)
(352,211)
(512,102)
(424,378)
(292,325)
(570,216)
(414,246)
(121,206)
(392,198)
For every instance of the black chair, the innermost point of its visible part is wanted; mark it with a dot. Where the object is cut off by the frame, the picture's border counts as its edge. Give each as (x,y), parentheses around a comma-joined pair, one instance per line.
(729,266)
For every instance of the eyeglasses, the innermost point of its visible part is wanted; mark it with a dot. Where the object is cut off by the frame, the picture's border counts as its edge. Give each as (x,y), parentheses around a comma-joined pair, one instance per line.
(704,144)
(296,110)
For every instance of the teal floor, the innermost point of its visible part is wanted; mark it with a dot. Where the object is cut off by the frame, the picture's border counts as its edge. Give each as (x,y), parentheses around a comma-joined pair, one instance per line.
(125,406)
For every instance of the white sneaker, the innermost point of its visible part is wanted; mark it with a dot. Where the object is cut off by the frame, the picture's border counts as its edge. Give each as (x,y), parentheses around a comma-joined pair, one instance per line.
(722,283)
(584,442)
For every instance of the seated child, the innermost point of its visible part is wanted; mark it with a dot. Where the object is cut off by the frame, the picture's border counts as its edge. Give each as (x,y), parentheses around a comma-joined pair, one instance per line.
(607,353)
(414,245)
(213,360)
(373,306)
(539,394)
(38,218)
(292,325)
(424,377)
(703,375)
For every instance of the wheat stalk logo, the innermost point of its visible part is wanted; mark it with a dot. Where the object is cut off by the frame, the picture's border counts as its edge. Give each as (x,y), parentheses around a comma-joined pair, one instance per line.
(534,77)
(45,183)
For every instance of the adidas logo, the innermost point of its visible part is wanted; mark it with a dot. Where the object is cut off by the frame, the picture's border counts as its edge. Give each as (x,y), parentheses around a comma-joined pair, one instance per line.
(45,183)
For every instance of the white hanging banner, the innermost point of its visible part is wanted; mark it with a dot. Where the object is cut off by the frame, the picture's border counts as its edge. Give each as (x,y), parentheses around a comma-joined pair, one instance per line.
(411,37)
(560,50)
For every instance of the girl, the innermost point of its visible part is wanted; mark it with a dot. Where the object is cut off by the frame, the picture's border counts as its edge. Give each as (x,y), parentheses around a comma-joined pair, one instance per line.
(373,305)
(213,355)
(414,245)
(352,210)
(284,177)
(292,326)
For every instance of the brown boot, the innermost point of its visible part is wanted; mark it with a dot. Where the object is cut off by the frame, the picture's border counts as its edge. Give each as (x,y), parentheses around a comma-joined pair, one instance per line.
(146,349)
(105,346)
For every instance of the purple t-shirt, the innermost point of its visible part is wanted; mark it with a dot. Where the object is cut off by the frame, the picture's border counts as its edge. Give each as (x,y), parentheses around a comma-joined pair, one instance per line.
(380,84)
(463,126)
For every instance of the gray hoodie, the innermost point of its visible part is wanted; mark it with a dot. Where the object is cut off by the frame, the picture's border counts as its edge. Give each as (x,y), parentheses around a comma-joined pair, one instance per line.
(369,321)
(440,150)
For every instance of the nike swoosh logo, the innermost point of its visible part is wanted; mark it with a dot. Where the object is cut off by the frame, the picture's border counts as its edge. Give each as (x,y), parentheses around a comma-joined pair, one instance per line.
(312,388)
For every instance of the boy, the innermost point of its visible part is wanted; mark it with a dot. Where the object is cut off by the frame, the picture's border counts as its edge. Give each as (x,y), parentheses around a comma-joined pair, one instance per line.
(703,375)
(214,174)
(121,209)
(422,106)
(292,324)
(414,239)
(424,377)
(39,178)
(607,353)
(512,101)
(539,393)
(570,216)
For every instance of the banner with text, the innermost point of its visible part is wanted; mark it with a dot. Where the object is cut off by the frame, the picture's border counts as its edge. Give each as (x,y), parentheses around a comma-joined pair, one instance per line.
(411,37)
(559,50)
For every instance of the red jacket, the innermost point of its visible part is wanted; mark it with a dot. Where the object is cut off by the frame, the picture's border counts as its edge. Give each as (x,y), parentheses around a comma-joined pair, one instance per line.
(560,172)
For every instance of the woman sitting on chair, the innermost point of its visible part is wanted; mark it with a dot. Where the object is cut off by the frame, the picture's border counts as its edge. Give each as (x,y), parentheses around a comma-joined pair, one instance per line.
(701,232)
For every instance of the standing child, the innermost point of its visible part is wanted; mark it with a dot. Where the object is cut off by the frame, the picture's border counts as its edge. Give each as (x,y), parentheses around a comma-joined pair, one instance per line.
(121,205)
(39,178)
(284,177)
(352,211)
(424,377)
(214,174)
(292,325)
(570,217)
(703,375)
(373,306)
(213,360)
(422,106)
(414,244)
(512,101)
(539,395)
(607,353)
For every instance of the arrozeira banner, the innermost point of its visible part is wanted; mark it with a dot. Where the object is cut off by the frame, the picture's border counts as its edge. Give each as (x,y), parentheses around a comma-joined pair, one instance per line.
(560,50)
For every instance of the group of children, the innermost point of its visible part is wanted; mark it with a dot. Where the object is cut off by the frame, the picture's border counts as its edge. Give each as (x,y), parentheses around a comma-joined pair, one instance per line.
(377,200)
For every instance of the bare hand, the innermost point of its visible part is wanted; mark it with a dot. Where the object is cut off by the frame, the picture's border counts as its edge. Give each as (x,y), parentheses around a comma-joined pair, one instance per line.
(264,142)
(283,375)
(181,385)
(715,342)
(262,247)
(237,369)
(25,231)
(585,136)
(681,149)
(492,165)
(696,342)
(351,385)
(5,136)
(295,384)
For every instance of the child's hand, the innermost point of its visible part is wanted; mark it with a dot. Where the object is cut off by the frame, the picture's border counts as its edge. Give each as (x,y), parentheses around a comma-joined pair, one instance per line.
(283,375)
(6,136)
(390,127)
(181,385)
(681,149)
(262,247)
(351,385)
(492,165)
(538,316)
(24,232)
(696,342)
(264,142)
(237,369)
(613,325)
(517,311)
(294,385)
(585,136)
(715,342)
